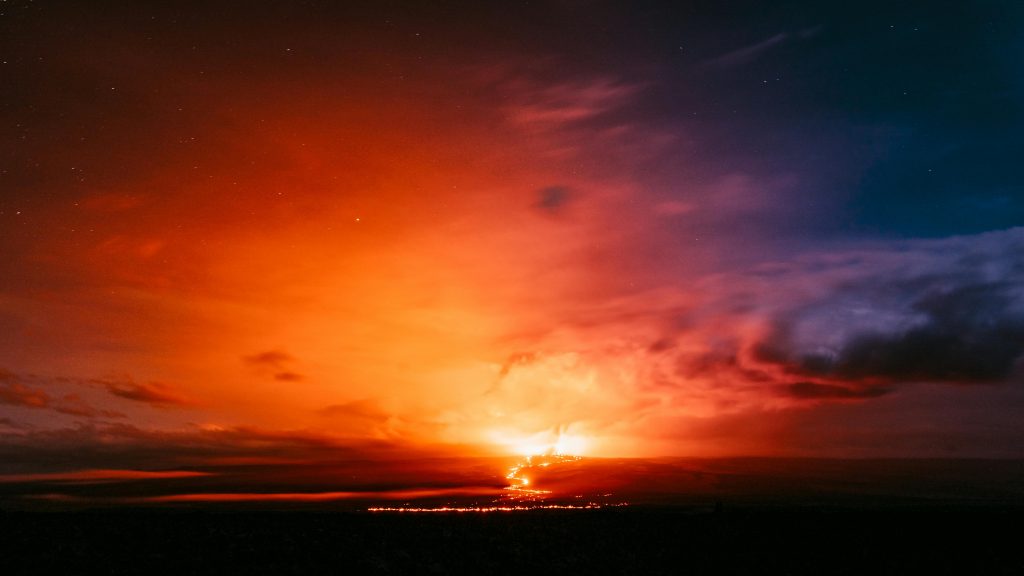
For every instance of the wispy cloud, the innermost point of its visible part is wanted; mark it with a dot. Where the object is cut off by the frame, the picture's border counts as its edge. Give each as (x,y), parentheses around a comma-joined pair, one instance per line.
(13,393)
(93,476)
(97,462)
(553,199)
(273,358)
(153,393)
(554,106)
(277,362)
(747,53)
(16,394)
(74,405)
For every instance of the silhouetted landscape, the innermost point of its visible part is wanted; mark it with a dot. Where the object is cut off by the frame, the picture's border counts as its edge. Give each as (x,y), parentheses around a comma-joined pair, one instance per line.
(636,540)
(756,515)
(468,482)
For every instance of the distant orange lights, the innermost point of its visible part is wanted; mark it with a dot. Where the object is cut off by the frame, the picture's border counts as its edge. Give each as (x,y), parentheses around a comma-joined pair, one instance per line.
(519,496)
(487,509)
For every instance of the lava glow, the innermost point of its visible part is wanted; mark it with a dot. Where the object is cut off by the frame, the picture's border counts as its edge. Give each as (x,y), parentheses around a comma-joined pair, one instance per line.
(484,509)
(519,496)
(564,448)
(519,483)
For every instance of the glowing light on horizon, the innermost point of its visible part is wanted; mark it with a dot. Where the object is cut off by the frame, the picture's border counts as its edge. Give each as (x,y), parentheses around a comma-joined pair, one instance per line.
(519,496)
(516,508)
(545,443)
(564,448)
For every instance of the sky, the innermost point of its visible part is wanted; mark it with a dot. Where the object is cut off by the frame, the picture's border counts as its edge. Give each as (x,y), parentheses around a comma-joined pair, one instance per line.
(280,232)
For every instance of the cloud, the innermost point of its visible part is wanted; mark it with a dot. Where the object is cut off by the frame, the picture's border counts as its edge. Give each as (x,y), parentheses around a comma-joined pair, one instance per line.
(844,326)
(288,376)
(557,105)
(97,462)
(552,199)
(93,476)
(815,391)
(365,418)
(674,208)
(74,405)
(747,53)
(273,358)
(277,362)
(16,394)
(154,394)
(960,334)
(849,325)
(7,425)
(361,409)
(948,311)
(123,446)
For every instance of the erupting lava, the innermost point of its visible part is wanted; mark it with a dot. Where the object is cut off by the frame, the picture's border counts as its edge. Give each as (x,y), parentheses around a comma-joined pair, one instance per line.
(519,483)
(519,495)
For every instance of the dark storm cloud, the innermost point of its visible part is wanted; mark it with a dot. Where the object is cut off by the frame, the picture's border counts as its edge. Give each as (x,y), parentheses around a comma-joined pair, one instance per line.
(970,334)
(845,325)
(947,312)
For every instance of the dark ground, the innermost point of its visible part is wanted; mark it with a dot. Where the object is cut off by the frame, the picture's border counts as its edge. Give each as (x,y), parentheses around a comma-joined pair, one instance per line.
(633,540)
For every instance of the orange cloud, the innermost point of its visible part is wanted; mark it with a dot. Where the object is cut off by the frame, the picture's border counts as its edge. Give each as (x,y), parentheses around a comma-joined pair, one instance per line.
(16,394)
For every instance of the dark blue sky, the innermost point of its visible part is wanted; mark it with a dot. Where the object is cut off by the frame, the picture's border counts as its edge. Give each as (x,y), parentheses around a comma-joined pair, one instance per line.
(904,119)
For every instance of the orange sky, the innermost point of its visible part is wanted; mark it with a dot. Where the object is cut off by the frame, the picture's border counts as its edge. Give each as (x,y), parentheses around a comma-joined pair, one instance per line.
(353,233)
(366,254)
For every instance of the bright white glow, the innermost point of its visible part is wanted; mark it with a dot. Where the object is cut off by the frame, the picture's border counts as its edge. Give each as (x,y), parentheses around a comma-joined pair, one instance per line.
(546,443)
(570,445)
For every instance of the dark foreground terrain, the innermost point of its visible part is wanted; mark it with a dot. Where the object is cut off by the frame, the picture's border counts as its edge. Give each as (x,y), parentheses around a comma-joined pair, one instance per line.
(633,540)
